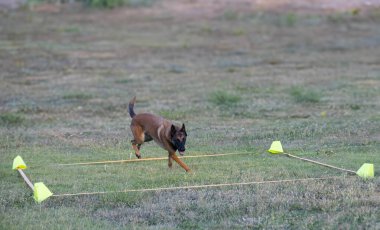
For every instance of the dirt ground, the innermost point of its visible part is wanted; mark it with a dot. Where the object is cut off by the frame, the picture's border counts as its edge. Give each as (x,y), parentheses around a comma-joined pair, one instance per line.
(195,8)
(202,44)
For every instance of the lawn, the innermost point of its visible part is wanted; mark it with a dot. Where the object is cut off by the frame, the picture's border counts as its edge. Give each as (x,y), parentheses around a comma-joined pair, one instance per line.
(238,79)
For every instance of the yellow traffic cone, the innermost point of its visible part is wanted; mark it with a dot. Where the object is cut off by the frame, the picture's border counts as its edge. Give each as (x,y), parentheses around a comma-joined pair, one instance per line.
(41,192)
(276,147)
(18,163)
(366,171)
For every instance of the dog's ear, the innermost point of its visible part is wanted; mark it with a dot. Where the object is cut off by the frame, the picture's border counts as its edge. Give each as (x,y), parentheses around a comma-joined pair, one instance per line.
(183,129)
(173,131)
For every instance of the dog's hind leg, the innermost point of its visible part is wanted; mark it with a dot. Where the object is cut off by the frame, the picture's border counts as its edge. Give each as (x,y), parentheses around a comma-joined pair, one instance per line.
(136,147)
(138,140)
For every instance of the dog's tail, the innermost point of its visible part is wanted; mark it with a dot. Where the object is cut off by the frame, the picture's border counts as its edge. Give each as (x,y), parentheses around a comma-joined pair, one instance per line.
(130,107)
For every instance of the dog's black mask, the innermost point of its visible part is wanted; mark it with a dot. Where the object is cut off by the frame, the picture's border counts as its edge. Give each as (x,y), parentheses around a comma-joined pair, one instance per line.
(179,138)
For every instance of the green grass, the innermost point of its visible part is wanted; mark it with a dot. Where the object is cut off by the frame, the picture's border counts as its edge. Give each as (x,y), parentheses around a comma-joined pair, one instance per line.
(176,114)
(230,15)
(72,29)
(289,20)
(223,98)
(232,84)
(77,96)
(303,95)
(11,119)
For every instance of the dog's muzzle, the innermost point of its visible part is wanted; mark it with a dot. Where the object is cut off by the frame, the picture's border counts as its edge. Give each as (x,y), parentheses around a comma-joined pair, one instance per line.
(181,153)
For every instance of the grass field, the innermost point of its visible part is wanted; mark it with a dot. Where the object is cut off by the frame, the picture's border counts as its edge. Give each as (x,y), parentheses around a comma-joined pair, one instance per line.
(238,80)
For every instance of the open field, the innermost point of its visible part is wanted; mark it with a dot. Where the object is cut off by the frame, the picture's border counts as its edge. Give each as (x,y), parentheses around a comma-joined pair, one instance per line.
(238,79)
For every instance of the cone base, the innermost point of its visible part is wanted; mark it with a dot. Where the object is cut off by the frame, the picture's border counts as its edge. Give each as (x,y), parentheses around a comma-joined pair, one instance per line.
(276,148)
(18,163)
(41,192)
(366,171)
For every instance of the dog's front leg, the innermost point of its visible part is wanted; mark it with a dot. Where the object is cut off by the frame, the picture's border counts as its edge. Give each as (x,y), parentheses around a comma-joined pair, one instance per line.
(181,163)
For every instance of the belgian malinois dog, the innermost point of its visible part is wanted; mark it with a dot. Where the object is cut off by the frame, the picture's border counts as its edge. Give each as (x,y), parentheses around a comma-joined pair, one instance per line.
(146,127)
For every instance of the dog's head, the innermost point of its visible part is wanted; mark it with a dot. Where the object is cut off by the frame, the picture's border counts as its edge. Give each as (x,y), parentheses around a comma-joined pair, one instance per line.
(178,137)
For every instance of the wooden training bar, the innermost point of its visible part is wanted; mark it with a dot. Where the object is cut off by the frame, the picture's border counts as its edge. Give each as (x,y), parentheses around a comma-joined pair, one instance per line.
(26,179)
(196,186)
(319,163)
(147,159)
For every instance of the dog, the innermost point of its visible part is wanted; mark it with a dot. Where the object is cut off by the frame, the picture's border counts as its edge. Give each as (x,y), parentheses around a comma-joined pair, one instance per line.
(147,127)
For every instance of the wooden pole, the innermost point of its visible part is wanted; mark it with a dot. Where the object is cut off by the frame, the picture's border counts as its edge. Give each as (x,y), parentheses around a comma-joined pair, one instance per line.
(319,163)
(147,159)
(195,186)
(26,179)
